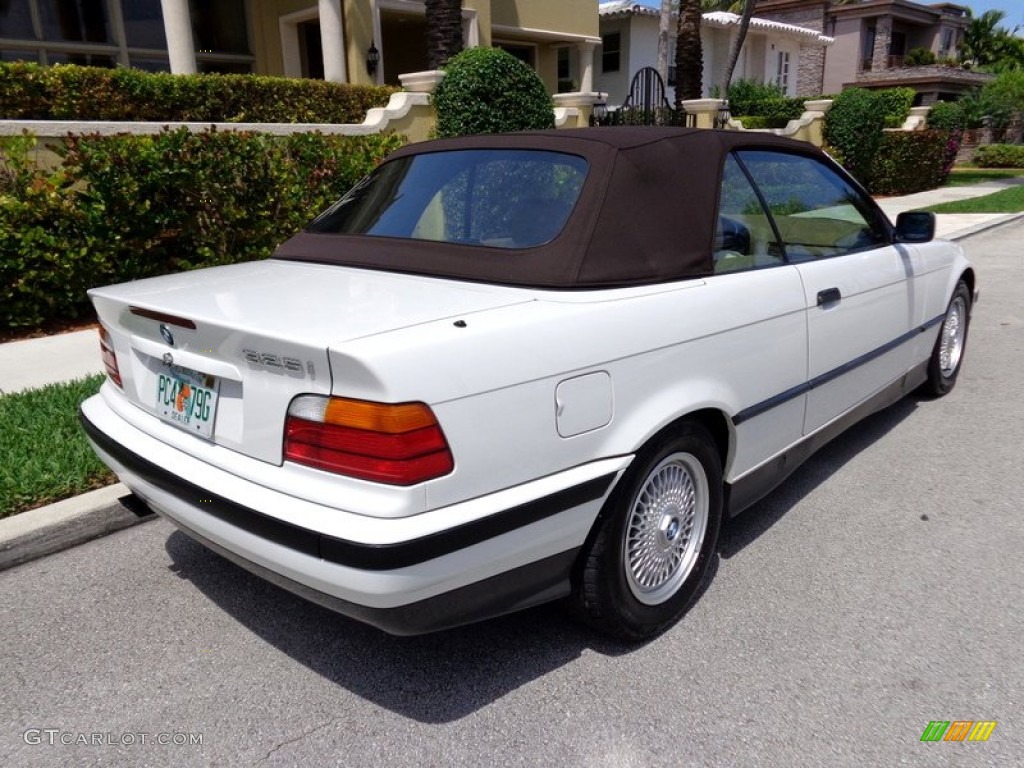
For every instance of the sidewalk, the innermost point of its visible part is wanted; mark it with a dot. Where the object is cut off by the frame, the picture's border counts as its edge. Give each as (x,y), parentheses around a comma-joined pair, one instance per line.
(36,362)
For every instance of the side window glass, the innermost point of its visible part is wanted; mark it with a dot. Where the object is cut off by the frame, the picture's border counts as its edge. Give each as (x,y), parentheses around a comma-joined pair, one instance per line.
(744,238)
(818,214)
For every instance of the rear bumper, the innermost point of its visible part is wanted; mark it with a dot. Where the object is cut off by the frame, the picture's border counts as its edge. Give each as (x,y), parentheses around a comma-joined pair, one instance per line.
(502,559)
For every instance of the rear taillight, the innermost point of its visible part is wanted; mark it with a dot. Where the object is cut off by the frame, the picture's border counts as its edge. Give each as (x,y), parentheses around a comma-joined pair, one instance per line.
(109,357)
(396,444)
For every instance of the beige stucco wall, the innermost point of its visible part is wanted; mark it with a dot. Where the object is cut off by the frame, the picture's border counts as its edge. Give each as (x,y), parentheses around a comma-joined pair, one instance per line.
(571,17)
(842,58)
(578,17)
(264,18)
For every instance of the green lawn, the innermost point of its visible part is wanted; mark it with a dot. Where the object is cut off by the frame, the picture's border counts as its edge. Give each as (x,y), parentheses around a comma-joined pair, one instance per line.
(963,177)
(1005,201)
(44,455)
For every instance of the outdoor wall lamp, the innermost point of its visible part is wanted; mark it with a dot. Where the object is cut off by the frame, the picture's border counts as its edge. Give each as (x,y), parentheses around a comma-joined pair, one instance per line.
(372,58)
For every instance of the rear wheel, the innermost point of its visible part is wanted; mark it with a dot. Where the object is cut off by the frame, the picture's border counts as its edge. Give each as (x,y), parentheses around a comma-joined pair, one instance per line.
(944,365)
(655,538)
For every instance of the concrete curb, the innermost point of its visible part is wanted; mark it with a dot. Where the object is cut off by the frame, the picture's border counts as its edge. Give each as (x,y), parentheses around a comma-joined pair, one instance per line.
(1008,218)
(68,523)
(47,530)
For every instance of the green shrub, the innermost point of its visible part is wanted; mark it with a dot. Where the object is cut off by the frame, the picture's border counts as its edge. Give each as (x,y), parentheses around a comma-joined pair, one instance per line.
(1003,97)
(1000,156)
(124,207)
(854,127)
(753,90)
(487,90)
(908,161)
(918,57)
(756,122)
(69,92)
(947,116)
(750,98)
(896,104)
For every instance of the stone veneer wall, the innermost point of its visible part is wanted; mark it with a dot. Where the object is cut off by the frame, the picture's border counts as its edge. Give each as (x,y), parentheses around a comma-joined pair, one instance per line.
(883,40)
(811,68)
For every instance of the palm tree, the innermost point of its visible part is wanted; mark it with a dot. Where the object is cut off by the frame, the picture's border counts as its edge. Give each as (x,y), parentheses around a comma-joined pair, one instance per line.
(689,56)
(444,31)
(664,22)
(737,45)
(989,45)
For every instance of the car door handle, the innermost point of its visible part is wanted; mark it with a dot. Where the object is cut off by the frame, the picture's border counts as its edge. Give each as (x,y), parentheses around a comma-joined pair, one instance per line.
(829,296)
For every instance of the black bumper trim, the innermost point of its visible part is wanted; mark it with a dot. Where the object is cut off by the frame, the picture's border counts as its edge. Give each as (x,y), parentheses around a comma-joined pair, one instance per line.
(523,587)
(368,557)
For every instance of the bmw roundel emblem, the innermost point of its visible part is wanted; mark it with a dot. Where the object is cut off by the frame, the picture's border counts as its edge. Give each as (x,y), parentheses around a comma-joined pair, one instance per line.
(165,332)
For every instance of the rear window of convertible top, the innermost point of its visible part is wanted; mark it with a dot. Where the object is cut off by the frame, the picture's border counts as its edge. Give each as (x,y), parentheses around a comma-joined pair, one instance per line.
(491,197)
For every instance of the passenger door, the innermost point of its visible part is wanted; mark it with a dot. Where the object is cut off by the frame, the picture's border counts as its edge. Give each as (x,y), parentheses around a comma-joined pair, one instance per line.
(858,286)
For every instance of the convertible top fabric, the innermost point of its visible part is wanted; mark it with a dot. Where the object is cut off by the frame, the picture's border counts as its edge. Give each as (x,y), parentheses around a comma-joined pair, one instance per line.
(646,213)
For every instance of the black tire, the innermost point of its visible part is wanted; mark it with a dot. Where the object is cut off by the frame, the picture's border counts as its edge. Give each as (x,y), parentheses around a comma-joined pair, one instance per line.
(612,591)
(948,354)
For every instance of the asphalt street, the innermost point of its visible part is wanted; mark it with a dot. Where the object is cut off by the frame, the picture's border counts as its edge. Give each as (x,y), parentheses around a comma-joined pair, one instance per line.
(877,590)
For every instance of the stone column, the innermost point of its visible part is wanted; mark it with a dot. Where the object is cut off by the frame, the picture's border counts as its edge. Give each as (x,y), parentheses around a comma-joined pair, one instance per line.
(883,40)
(332,39)
(178,28)
(585,62)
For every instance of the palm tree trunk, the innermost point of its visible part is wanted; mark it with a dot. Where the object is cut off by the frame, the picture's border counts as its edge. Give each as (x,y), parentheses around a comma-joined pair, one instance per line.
(444,31)
(737,46)
(689,56)
(663,26)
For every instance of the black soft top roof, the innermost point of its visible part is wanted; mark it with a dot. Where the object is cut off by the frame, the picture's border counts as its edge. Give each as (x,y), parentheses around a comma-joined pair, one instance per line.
(646,213)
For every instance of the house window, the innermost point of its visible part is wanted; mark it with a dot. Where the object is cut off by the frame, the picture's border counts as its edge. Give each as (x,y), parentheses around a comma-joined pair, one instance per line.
(947,43)
(525,53)
(83,32)
(867,53)
(782,71)
(611,47)
(565,82)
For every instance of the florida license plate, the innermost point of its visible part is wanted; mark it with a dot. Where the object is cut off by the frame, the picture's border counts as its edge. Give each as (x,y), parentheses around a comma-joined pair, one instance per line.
(187,399)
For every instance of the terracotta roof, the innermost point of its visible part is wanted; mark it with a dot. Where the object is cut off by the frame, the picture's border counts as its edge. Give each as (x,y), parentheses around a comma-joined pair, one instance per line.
(724,19)
(620,9)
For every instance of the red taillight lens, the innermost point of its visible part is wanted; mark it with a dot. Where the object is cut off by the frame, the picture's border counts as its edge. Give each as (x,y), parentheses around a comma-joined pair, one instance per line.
(395,444)
(109,357)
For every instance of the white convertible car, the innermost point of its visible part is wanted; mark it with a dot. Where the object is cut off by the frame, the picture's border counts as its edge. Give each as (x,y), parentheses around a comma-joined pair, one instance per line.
(508,369)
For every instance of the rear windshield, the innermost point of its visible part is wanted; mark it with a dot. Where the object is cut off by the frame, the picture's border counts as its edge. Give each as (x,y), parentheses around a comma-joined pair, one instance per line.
(496,197)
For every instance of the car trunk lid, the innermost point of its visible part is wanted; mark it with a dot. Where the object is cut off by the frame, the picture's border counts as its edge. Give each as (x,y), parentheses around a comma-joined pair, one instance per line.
(221,352)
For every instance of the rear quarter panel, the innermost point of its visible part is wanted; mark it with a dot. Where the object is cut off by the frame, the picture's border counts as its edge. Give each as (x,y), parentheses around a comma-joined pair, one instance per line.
(726,342)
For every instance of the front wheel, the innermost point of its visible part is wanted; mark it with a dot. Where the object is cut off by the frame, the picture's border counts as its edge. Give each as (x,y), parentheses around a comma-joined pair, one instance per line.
(944,365)
(655,538)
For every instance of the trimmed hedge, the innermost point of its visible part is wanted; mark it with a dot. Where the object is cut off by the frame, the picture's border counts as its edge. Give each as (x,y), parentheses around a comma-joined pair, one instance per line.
(762,105)
(947,116)
(909,161)
(896,104)
(488,90)
(69,92)
(854,127)
(999,156)
(125,207)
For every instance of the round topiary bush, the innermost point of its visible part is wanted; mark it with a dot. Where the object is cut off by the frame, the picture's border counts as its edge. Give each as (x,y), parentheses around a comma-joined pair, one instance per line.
(486,90)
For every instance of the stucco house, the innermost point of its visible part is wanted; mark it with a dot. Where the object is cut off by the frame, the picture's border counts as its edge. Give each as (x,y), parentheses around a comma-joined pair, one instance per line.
(629,42)
(355,41)
(872,39)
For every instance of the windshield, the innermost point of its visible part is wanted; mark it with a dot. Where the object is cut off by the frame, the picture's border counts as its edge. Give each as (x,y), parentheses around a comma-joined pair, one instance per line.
(496,197)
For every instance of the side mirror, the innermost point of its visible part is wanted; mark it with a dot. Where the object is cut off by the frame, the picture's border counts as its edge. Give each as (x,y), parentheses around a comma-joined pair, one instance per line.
(915,227)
